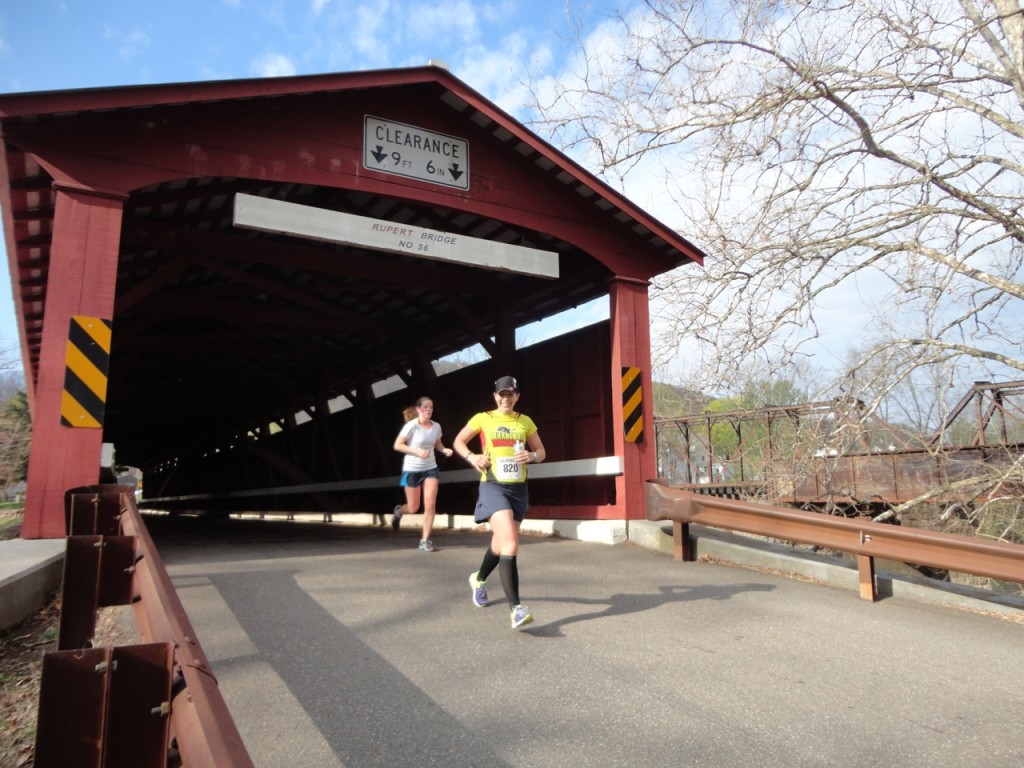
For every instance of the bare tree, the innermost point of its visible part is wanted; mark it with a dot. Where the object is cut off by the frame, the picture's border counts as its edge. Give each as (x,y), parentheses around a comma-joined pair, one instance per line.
(854,170)
(826,155)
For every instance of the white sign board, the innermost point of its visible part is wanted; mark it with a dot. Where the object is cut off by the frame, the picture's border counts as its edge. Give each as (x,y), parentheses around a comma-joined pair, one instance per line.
(416,153)
(280,217)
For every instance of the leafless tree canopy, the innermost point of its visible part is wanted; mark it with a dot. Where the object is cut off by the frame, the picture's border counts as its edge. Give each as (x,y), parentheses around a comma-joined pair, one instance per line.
(826,155)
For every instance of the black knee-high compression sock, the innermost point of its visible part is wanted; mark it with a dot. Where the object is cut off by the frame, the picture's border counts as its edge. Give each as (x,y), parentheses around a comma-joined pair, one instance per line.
(487,566)
(509,572)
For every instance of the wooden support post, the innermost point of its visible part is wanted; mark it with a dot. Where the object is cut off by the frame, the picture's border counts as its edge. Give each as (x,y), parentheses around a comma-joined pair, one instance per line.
(681,542)
(631,347)
(81,282)
(866,572)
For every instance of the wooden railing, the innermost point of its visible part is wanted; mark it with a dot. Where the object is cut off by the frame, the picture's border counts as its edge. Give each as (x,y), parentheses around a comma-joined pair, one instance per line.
(865,539)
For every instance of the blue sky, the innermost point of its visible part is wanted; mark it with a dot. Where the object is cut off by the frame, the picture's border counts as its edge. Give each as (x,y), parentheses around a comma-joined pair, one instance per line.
(68,44)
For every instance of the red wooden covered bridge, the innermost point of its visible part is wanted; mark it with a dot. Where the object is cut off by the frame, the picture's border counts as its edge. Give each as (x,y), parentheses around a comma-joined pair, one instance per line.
(218,279)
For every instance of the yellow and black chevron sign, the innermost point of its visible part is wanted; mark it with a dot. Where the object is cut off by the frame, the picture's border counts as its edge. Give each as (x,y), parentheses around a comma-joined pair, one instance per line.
(86,362)
(632,405)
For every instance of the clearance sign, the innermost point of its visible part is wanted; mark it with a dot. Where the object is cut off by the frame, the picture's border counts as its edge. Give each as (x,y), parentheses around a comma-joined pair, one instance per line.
(415,153)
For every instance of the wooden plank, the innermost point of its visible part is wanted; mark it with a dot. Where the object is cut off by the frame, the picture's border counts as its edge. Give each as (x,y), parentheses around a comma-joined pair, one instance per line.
(283,218)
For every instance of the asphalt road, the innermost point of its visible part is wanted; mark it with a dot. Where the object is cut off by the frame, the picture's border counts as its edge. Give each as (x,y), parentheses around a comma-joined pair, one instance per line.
(345,646)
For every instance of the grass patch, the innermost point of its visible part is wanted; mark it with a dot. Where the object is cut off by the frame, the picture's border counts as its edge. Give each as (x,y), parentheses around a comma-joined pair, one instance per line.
(10,525)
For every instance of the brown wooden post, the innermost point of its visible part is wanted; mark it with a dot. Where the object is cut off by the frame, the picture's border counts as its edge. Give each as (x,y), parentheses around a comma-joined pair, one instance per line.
(681,548)
(631,347)
(81,281)
(866,574)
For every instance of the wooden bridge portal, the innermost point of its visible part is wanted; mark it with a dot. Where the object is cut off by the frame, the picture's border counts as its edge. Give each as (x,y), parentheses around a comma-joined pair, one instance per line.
(219,355)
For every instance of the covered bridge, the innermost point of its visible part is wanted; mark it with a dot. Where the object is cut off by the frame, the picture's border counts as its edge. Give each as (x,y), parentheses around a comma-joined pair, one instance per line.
(217,278)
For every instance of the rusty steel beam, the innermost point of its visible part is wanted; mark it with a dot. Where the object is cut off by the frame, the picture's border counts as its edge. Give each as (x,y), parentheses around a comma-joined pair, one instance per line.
(104,707)
(161,692)
(69,729)
(202,726)
(79,592)
(93,510)
(864,538)
(97,573)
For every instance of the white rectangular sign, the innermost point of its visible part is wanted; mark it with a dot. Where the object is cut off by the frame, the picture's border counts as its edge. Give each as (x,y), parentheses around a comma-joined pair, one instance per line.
(416,153)
(280,217)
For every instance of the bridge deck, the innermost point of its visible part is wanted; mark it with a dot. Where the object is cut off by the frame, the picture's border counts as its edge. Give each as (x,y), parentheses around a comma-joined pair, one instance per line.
(339,646)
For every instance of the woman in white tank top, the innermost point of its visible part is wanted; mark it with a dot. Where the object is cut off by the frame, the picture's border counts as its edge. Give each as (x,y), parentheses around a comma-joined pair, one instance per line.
(418,440)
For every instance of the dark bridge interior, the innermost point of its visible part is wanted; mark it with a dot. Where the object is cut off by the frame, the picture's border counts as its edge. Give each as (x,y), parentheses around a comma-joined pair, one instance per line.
(230,329)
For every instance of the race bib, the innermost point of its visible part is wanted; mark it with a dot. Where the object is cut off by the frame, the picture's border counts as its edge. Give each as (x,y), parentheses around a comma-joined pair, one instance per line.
(507,471)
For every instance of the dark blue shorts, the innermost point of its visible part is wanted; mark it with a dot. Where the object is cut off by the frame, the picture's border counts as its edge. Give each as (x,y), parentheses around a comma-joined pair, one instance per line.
(494,497)
(415,479)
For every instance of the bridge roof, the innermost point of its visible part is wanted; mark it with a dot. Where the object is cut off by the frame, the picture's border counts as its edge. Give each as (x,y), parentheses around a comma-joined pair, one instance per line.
(231,329)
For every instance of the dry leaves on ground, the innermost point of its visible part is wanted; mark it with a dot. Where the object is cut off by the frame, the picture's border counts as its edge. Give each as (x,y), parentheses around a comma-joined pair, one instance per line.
(21,660)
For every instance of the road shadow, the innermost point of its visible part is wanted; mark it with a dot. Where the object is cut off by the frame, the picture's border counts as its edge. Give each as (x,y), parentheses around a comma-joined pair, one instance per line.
(625,603)
(367,711)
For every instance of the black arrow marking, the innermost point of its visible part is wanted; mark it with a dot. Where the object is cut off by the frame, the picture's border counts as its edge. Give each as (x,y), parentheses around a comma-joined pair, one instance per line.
(455,172)
(379,154)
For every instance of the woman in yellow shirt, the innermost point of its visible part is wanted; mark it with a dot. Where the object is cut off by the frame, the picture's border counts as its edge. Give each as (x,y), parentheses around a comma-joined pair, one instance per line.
(508,442)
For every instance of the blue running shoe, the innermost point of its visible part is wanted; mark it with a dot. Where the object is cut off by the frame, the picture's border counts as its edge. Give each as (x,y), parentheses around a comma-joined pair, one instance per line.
(521,616)
(479,590)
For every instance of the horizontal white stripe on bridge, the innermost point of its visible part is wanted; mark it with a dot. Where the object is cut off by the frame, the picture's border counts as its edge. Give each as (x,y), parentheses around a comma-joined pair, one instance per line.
(603,466)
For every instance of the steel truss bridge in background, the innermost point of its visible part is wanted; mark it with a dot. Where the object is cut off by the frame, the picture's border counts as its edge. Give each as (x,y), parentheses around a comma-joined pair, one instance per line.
(835,456)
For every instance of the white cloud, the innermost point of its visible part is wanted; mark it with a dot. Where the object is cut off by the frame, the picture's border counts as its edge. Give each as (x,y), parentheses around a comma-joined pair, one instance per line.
(444,19)
(272,65)
(499,72)
(371,19)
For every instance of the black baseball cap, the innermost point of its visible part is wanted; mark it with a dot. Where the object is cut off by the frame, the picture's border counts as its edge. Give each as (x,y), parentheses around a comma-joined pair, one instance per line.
(506,382)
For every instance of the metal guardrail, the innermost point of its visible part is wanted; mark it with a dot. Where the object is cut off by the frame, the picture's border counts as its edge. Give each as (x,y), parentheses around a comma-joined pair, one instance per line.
(865,539)
(153,704)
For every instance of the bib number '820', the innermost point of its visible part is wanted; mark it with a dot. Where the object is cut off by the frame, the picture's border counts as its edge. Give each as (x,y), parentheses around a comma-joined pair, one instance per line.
(507,470)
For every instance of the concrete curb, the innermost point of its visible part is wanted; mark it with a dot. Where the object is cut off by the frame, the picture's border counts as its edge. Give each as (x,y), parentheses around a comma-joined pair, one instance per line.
(30,570)
(831,571)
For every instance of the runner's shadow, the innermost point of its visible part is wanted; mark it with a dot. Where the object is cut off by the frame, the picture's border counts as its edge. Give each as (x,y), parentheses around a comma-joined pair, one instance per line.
(623,603)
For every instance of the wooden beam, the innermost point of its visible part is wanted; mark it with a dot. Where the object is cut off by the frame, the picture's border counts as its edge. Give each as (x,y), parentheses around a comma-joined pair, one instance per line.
(280,217)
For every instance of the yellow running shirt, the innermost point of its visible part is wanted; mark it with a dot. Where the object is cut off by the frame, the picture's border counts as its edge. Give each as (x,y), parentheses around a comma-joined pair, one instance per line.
(498,436)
